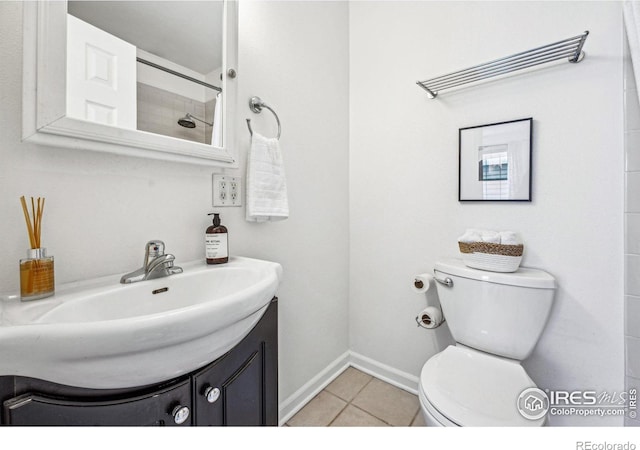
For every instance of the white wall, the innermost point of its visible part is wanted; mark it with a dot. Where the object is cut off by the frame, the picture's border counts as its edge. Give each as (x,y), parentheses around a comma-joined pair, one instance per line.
(294,56)
(404,175)
(102,209)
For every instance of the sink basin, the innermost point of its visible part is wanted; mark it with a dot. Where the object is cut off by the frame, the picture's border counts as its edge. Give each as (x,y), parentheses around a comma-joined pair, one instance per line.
(102,334)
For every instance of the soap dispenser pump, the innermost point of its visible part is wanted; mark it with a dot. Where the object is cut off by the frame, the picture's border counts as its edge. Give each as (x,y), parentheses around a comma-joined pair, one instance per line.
(216,242)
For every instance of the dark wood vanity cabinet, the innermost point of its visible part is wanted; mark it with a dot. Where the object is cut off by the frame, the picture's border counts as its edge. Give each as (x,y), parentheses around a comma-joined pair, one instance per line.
(154,408)
(239,388)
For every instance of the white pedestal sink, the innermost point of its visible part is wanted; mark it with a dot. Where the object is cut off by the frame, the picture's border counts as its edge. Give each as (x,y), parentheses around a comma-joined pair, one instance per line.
(102,334)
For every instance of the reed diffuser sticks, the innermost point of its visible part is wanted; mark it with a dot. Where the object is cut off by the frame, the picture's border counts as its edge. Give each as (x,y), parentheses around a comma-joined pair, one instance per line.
(36,271)
(33,228)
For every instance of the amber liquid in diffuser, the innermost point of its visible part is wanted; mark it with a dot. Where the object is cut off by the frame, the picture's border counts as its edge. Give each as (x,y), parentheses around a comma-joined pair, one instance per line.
(36,278)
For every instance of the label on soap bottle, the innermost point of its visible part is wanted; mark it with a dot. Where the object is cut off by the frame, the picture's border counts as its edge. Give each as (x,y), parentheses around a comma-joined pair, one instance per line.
(216,245)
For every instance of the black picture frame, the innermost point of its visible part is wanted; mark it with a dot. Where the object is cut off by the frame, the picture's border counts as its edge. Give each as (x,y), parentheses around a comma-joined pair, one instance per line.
(495,162)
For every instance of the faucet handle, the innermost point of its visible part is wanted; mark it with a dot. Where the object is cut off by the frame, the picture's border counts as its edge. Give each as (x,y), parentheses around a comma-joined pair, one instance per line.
(153,249)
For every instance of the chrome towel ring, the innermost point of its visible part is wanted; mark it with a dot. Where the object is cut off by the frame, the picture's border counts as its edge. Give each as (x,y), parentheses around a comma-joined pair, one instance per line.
(256,104)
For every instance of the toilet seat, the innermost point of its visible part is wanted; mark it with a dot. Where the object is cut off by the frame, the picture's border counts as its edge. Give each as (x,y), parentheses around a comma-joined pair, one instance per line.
(433,417)
(472,388)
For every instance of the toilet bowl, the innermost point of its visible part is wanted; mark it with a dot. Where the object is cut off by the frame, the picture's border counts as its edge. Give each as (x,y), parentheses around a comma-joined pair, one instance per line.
(496,320)
(461,386)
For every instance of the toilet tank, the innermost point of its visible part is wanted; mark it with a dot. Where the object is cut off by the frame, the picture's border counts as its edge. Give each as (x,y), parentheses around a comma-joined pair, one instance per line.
(499,313)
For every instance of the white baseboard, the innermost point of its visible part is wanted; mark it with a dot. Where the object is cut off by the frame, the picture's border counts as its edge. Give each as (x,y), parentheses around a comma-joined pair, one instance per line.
(296,401)
(302,396)
(391,375)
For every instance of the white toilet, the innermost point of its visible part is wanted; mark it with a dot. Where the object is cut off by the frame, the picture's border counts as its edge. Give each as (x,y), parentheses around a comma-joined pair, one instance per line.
(496,320)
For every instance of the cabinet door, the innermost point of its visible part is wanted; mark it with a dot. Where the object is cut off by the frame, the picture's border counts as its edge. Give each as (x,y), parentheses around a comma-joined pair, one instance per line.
(156,408)
(241,388)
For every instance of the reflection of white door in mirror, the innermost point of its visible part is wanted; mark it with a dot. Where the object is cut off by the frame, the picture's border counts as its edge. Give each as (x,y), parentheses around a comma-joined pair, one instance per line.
(141,116)
(101,76)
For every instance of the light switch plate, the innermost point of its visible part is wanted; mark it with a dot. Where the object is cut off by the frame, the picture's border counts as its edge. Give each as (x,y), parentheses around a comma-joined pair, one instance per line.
(227,191)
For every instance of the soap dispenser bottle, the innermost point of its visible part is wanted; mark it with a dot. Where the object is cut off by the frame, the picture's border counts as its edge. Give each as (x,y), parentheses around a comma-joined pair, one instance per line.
(216,242)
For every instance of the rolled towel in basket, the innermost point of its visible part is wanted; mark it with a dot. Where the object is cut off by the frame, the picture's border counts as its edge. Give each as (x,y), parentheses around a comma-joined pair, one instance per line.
(510,238)
(492,237)
(470,236)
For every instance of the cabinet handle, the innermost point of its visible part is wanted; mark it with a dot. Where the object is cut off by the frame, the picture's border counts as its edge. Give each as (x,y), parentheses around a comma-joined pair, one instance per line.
(180,414)
(212,394)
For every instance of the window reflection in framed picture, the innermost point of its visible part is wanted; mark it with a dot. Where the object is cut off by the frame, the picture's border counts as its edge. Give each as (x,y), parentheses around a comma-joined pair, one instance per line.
(495,161)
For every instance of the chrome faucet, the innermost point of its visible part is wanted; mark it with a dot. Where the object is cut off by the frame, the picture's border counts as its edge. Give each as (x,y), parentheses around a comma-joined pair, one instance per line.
(156,264)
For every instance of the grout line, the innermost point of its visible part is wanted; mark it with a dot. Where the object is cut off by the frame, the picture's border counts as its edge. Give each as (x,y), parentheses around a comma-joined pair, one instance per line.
(338,415)
(357,407)
(414,417)
(373,415)
(347,403)
(362,388)
(362,409)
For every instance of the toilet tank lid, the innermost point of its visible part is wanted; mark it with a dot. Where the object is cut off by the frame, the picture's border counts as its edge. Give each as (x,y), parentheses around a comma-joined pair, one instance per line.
(523,277)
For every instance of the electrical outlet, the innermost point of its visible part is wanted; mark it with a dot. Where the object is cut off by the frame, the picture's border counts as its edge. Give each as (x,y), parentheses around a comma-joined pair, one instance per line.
(233,190)
(227,191)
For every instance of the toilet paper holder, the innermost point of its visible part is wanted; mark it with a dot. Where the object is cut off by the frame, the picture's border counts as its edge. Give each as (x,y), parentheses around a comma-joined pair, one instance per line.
(419,284)
(431,317)
(419,322)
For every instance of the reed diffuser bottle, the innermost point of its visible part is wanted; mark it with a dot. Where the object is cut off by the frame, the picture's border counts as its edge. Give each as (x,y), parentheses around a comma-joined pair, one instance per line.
(36,270)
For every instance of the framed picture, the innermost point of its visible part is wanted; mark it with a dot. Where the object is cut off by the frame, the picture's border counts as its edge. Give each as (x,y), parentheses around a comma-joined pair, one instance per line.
(495,162)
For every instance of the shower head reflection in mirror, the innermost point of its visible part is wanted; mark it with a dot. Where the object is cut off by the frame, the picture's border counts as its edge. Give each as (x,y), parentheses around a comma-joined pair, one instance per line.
(188,121)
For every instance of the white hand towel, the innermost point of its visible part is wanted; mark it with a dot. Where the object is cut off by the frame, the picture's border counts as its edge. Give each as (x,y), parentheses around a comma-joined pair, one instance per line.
(266,182)
(510,238)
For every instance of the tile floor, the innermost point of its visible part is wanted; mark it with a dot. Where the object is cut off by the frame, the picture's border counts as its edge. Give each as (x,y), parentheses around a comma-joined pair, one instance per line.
(356,399)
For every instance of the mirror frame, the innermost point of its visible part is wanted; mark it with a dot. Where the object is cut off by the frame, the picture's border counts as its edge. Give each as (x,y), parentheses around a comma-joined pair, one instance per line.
(468,158)
(44,118)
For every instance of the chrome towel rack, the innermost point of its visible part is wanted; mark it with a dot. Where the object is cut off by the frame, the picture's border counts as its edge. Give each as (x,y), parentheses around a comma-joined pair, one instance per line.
(256,104)
(570,48)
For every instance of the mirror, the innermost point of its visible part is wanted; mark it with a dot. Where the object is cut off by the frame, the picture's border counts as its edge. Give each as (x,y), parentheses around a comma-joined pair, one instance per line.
(147,78)
(495,161)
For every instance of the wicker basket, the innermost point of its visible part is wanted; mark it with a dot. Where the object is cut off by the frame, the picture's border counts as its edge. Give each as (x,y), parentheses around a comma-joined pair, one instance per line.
(492,257)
